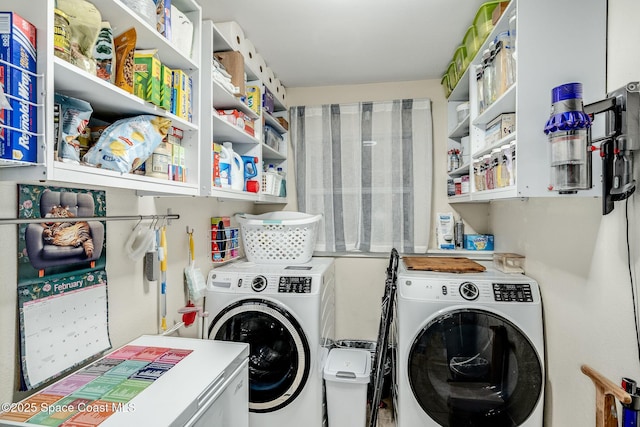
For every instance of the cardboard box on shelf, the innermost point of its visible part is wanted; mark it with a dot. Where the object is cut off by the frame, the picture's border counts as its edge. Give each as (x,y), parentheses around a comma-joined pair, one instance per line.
(253,98)
(239,119)
(166,79)
(147,78)
(268,101)
(500,127)
(233,63)
(478,242)
(180,102)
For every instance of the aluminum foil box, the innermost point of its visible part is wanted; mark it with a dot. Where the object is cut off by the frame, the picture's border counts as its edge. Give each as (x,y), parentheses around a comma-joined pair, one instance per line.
(18,48)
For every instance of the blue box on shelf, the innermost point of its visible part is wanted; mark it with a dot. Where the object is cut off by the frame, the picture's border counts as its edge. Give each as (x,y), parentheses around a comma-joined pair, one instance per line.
(478,242)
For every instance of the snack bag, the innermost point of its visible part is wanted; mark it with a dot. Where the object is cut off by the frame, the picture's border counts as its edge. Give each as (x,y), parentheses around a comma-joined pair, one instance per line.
(125,48)
(74,117)
(104,52)
(127,143)
(84,22)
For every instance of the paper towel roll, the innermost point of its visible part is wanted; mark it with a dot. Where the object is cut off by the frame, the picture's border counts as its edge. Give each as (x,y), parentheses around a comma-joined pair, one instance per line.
(283,95)
(261,65)
(269,77)
(248,50)
(276,87)
(232,32)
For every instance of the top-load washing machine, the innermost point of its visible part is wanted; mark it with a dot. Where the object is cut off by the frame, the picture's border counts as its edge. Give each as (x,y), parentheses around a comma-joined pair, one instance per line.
(286,315)
(470,350)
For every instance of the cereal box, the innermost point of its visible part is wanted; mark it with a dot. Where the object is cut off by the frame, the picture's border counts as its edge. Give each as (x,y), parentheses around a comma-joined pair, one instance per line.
(18,47)
(148,69)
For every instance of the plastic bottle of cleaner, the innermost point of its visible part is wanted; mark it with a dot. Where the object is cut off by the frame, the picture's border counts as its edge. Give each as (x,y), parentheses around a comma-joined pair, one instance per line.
(237,172)
(226,154)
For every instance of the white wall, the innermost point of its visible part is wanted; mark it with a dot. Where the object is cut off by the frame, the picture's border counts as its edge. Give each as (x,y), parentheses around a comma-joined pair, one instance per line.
(579,259)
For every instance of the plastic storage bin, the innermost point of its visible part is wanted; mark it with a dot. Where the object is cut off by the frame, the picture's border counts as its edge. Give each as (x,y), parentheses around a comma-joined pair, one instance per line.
(483,20)
(445,85)
(453,75)
(347,373)
(471,42)
(460,59)
(509,262)
(279,237)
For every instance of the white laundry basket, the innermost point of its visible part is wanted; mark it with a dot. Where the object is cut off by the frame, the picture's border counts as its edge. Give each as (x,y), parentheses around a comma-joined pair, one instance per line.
(279,237)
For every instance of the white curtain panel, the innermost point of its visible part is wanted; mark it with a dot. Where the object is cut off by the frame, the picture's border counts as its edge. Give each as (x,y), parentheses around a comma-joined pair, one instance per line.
(367,168)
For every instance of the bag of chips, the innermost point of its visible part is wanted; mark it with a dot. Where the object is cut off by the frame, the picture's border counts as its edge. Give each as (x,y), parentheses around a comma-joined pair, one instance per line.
(74,117)
(127,143)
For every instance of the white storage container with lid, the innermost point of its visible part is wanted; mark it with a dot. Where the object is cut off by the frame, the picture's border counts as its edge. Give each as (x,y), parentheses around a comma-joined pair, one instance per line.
(462,111)
(347,373)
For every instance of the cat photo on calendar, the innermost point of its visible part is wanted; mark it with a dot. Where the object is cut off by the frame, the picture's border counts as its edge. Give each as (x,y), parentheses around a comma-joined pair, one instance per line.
(57,243)
(67,233)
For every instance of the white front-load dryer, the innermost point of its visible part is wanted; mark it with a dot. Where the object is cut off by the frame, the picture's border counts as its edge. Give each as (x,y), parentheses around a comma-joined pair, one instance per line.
(286,314)
(470,350)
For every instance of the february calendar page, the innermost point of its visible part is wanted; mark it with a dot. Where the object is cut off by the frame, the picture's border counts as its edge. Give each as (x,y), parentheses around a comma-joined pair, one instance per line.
(63,323)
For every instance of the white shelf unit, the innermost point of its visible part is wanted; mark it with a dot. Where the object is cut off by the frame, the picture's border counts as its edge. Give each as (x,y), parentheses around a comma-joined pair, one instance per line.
(458,130)
(107,100)
(216,129)
(544,61)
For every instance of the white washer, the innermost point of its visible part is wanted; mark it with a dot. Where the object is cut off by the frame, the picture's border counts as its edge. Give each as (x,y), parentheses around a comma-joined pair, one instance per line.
(286,315)
(470,350)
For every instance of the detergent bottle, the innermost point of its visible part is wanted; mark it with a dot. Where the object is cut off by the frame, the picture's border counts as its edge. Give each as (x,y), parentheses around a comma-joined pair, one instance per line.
(250,168)
(226,155)
(237,172)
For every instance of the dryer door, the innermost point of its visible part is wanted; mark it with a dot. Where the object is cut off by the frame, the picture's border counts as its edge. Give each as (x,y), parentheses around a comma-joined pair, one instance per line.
(474,368)
(279,357)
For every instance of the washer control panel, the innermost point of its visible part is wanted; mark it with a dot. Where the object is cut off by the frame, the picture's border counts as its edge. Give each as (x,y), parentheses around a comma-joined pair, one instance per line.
(294,284)
(512,292)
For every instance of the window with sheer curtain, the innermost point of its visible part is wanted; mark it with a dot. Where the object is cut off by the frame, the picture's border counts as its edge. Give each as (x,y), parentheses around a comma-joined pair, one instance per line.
(367,168)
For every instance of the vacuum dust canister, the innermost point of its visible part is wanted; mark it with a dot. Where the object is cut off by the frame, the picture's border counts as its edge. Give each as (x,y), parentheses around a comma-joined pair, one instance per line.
(569,146)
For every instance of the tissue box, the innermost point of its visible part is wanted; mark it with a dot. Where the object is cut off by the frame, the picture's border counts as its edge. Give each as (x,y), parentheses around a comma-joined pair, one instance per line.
(478,242)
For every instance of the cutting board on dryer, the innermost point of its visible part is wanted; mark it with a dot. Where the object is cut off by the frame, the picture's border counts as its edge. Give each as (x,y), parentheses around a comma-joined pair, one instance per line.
(443,264)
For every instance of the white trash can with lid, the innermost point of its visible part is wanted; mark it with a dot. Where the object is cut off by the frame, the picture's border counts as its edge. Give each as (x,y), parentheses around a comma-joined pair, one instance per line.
(347,373)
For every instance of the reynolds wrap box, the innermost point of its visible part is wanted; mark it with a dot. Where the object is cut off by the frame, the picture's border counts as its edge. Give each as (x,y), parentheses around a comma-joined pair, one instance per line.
(18,47)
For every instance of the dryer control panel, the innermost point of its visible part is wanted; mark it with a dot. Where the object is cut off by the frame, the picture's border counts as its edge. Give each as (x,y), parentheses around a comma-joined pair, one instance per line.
(512,292)
(294,284)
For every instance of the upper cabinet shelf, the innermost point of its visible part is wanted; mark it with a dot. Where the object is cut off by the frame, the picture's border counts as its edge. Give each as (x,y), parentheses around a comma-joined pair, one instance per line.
(218,129)
(108,102)
(540,67)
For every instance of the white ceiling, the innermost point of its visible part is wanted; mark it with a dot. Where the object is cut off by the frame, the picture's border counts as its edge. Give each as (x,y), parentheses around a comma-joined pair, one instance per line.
(341,42)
